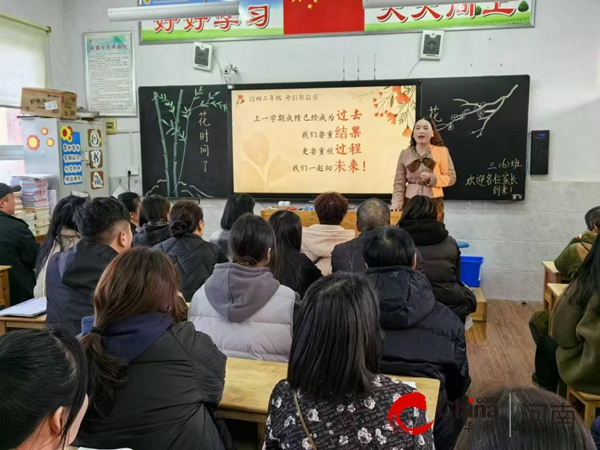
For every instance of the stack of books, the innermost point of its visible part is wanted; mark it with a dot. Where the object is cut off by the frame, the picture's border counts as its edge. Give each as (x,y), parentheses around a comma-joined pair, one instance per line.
(35,201)
(19,211)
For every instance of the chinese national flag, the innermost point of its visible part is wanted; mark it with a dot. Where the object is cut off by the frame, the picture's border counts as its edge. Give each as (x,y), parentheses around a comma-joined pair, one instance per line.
(323,16)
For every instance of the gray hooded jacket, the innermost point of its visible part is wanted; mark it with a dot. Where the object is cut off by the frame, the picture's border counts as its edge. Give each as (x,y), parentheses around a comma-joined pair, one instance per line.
(246,311)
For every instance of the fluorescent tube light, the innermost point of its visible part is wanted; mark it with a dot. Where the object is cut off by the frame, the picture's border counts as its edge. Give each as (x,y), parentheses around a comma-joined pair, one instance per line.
(141,13)
(369,4)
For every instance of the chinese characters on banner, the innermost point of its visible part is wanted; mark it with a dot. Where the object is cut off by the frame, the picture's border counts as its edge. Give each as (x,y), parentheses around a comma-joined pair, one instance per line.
(313,140)
(292,17)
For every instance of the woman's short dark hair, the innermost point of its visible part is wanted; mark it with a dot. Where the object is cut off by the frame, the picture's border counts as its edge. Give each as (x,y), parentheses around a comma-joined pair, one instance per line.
(185,217)
(63,217)
(288,238)
(516,428)
(130,200)
(42,371)
(237,205)
(154,207)
(436,139)
(420,207)
(586,281)
(337,338)
(331,208)
(250,240)
(389,247)
(138,281)
(592,218)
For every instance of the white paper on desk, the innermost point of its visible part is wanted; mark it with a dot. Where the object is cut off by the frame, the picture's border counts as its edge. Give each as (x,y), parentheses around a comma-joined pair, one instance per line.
(412,384)
(30,308)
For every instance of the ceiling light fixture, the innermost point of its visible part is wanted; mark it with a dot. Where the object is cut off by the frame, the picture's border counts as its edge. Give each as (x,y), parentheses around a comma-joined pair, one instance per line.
(141,13)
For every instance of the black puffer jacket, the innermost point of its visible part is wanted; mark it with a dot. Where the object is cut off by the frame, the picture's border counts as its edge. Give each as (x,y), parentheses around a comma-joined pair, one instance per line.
(422,337)
(195,260)
(152,233)
(441,265)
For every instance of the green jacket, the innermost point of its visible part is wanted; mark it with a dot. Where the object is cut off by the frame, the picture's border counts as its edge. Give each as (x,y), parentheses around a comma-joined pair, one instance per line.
(577,333)
(19,250)
(569,261)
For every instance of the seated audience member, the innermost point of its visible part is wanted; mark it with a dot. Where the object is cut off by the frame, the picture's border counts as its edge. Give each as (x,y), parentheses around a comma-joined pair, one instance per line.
(237,205)
(318,241)
(72,275)
(333,396)
(194,258)
(43,390)
(62,235)
(572,354)
(570,260)
(290,267)
(348,257)
(246,311)
(154,222)
(155,380)
(133,203)
(596,431)
(423,338)
(515,409)
(440,254)
(18,248)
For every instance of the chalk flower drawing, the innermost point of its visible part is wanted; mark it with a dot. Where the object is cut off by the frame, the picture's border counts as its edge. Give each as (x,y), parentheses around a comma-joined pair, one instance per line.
(484,112)
(176,128)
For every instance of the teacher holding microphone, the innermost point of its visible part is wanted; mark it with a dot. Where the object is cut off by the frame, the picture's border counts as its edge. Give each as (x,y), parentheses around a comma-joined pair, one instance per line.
(424,168)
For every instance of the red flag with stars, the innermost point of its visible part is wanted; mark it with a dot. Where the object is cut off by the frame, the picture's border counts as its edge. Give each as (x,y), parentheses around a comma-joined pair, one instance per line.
(323,16)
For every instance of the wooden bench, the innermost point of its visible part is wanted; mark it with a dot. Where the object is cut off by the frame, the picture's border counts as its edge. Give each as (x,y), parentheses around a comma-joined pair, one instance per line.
(4,287)
(555,290)
(18,323)
(480,315)
(309,218)
(551,276)
(590,402)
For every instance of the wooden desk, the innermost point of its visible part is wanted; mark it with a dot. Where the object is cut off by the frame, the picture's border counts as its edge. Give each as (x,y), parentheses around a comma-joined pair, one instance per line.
(556,291)
(309,218)
(4,286)
(551,276)
(19,323)
(249,383)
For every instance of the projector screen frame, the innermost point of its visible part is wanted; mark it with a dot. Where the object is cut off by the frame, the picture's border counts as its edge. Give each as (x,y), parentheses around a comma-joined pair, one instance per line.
(302,196)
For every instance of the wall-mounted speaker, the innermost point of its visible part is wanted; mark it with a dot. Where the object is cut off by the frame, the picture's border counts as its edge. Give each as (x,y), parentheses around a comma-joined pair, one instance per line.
(432,44)
(540,152)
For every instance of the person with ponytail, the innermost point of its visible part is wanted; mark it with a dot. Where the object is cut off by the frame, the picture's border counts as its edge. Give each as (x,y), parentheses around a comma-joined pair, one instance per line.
(193,257)
(43,390)
(62,235)
(155,381)
(247,312)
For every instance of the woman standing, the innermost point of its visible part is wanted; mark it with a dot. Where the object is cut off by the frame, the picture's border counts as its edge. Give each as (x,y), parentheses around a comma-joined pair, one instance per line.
(425,168)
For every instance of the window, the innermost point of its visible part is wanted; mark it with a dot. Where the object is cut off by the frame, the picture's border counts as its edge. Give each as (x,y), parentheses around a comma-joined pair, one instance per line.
(11,145)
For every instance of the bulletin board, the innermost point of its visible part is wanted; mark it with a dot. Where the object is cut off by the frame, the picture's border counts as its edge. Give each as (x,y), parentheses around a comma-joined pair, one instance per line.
(300,141)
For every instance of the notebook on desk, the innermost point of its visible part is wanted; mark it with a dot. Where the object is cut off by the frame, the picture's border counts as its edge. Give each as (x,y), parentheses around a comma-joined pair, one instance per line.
(30,308)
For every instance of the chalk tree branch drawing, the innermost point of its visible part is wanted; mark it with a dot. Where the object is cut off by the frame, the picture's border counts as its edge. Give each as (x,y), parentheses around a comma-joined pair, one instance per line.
(177,127)
(484,111)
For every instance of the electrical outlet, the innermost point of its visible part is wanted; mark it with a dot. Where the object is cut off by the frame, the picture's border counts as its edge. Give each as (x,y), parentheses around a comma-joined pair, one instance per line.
(135,171)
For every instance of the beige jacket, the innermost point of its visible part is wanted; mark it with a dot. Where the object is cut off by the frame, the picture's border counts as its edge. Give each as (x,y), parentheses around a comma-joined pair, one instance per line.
(318,241)
(68,239)
(436,161)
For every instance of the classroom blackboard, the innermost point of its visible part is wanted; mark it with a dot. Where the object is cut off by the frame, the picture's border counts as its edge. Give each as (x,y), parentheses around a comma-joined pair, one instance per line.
(186,141)
(484,123)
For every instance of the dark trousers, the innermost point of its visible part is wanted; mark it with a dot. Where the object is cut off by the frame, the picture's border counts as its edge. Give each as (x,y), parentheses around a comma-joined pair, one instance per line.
(546,368)
(596,432)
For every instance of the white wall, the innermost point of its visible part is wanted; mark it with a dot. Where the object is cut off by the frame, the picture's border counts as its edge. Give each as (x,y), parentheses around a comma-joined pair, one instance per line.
(562,55)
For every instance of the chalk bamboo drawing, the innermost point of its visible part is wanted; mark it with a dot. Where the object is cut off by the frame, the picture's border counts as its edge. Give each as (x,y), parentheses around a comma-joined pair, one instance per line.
(177,127)
(484,111)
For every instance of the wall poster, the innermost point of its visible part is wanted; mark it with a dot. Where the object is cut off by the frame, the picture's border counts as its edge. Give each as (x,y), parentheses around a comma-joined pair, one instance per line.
(288,18)
(110,73)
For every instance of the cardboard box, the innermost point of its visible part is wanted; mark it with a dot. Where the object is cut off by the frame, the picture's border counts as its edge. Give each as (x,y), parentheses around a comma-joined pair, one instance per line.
(49,103)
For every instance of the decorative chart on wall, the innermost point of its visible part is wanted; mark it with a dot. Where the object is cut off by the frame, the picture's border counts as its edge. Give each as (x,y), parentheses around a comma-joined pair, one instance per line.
(292,141)
(484,123)
(185,140)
